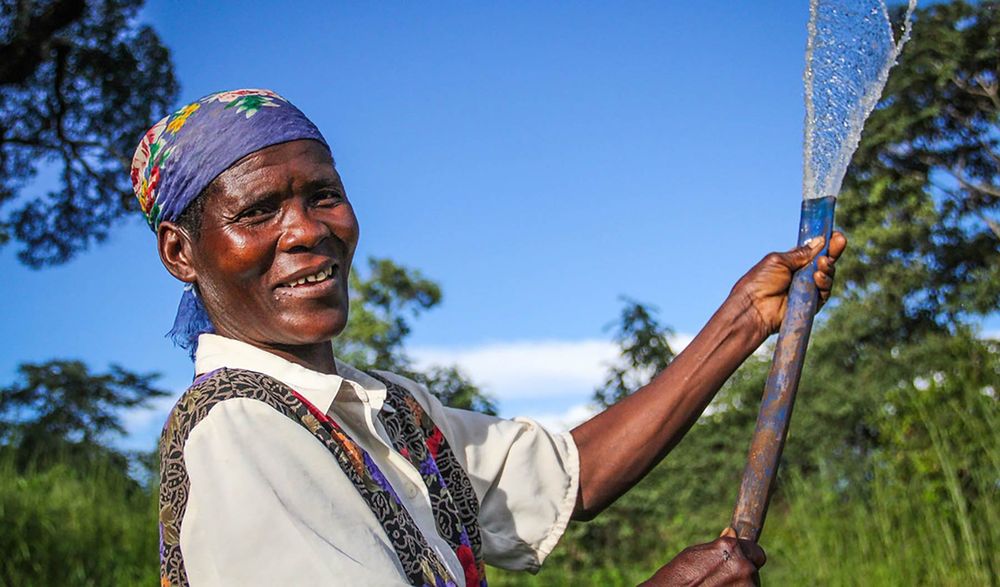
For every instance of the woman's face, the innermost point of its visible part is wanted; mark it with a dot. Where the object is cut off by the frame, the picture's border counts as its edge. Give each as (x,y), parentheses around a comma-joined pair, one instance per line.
(275,247)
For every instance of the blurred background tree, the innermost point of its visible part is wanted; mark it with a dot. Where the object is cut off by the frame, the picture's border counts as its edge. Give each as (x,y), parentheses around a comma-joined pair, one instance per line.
(59,410)
(382,304)
(643,352)
(79,83)
(922,198)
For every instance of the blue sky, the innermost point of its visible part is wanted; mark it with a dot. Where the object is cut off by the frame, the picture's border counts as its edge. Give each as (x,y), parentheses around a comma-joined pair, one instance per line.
(538,160)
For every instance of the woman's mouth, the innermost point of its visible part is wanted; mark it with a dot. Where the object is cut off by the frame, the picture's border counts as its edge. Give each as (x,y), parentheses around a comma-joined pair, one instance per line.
(318,277)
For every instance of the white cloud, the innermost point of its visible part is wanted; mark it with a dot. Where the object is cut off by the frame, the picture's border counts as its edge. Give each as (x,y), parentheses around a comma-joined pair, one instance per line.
(528,368)
(679,341)
(567,419)
(524,369)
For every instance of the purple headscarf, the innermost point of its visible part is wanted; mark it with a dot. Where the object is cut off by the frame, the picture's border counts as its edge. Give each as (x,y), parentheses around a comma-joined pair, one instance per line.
(184,152)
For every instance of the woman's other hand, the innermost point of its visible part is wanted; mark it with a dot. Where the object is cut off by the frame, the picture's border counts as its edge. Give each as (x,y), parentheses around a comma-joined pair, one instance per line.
(764,289)
(724,561)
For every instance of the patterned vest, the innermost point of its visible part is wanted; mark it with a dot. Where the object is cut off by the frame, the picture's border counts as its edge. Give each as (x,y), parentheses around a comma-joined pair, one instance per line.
(413,435)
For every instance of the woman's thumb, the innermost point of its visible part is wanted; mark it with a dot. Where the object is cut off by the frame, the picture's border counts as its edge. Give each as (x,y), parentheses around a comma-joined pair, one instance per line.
(799,257)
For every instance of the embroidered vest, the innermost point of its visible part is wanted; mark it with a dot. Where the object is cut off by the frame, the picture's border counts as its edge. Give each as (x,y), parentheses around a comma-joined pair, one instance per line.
(413,435)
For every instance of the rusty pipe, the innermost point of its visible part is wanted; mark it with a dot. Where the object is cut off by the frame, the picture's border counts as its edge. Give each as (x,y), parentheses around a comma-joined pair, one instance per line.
(783,379)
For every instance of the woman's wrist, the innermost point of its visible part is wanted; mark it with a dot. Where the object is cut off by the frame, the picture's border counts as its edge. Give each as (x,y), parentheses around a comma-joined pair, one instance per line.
(745,319)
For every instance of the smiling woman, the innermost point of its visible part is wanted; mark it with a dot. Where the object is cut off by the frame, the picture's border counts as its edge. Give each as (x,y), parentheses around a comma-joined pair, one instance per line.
(281,465)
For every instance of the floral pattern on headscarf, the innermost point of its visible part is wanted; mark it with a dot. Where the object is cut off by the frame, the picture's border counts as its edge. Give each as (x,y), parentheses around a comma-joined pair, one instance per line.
(158,145)
(249,101)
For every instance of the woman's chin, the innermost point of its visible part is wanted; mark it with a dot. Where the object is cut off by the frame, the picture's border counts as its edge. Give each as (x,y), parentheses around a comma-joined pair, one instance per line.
(319,330)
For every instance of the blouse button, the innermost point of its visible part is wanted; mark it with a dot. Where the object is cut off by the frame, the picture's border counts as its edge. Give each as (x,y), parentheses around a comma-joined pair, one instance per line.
(411,490)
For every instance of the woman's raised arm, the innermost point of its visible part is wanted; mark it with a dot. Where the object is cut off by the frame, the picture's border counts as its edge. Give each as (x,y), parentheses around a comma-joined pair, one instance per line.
(621,444)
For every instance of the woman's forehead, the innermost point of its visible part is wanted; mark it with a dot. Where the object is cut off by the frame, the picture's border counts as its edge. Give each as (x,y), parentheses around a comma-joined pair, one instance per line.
(302,164)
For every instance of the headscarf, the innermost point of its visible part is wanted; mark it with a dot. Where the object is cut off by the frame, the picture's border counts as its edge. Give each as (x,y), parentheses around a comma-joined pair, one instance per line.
(181,154)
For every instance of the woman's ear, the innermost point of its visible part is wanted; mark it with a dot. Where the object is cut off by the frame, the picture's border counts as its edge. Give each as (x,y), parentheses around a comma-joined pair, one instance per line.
(176,251)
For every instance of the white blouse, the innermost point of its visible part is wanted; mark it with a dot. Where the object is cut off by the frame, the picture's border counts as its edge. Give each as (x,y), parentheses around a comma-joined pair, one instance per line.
(268,505)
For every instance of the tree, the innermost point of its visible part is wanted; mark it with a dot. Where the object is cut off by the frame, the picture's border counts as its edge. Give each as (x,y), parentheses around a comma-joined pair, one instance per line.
(60,409)
(382,305)
(920,207)
(643,352)
(454,389)
(921,200)
(79,84)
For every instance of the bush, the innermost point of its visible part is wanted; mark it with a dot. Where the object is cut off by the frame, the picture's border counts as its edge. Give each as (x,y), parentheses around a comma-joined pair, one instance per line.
(67,525)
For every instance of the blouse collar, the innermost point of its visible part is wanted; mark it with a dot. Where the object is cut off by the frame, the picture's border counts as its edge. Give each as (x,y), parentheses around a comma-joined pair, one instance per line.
(320,389)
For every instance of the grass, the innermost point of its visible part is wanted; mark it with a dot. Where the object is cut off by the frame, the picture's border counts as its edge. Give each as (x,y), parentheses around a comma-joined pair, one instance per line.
(928,513)
(66,526)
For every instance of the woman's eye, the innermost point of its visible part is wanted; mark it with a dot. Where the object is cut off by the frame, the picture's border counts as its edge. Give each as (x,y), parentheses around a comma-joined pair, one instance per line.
(254,212)
(327,198)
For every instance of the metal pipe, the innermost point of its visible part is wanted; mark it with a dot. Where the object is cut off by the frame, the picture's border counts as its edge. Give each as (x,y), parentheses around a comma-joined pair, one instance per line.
(783,380)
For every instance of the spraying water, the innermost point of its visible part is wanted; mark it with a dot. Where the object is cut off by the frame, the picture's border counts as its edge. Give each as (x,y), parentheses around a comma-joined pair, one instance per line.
(848,57)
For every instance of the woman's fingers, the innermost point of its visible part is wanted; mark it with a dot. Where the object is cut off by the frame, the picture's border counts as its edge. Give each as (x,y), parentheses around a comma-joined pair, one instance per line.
(750,549)
(799,256)
(825,268)
(838,242)
(826,265)
(766,284)
(753,551)
(824,282)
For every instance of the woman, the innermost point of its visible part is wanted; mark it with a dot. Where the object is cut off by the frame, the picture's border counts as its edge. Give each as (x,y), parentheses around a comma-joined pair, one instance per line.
(282,465)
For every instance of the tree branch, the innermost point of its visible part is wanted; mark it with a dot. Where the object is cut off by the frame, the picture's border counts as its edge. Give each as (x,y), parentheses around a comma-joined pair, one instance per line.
(992,224)
(982,88)
(973,186)
(23,142)
(31,41)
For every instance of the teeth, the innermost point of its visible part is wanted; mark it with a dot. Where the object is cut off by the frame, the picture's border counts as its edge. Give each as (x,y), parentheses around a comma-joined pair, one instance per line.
(322,275)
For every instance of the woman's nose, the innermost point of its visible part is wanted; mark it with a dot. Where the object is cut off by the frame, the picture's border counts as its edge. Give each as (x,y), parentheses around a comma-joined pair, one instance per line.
(302,229)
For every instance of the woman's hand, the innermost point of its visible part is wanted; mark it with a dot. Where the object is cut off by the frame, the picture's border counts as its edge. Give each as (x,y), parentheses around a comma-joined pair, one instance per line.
(724,561)
(764,289)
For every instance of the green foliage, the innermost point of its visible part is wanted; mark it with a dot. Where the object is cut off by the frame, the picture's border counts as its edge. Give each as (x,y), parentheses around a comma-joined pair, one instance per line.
(921,201)
(68,524)
(79,84)
(928,512)
(891,476)
(644,352)
(60,407)
(382,305)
